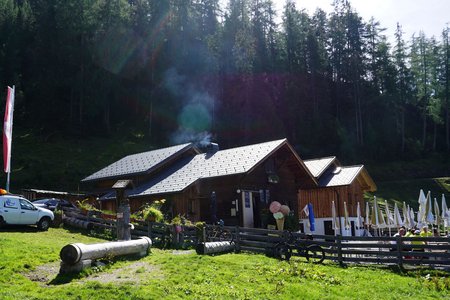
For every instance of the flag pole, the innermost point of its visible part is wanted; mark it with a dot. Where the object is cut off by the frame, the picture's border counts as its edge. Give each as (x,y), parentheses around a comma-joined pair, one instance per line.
(8,178)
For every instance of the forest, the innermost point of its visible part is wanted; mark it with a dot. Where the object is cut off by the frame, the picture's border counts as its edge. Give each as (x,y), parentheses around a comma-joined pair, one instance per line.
(174,71)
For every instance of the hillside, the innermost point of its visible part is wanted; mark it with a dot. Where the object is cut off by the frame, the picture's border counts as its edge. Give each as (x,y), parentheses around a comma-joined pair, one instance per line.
(58,162)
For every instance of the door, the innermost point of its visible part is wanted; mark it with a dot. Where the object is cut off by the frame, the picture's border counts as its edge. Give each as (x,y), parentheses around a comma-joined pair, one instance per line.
(352,226)
(247,209)
(28,213)
(328,225)
(11,210)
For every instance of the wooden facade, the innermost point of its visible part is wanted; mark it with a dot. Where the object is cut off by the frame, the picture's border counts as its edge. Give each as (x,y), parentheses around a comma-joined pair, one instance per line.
(321,199)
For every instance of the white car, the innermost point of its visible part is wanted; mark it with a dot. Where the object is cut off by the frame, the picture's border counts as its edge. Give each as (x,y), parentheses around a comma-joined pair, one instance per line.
(16,210)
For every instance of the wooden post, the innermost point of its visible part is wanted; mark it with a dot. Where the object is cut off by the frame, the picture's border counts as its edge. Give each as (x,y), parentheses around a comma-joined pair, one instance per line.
(149,229)
(399,251)
(237,240)
(175,237)
(123,210)
(204,234)
(339,250)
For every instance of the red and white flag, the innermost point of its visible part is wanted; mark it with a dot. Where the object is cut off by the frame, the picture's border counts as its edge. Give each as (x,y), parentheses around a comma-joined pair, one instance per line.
(7,129)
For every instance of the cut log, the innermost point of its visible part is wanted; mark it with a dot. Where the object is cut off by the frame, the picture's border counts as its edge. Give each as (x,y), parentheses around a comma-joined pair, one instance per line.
(74,222)
(215,247)
(73,253)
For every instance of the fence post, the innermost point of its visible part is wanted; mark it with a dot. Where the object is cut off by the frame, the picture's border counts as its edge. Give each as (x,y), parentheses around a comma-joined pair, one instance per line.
(237,240)
(339,250)
(175,237)
(149,229)
(399,251)
(203,234)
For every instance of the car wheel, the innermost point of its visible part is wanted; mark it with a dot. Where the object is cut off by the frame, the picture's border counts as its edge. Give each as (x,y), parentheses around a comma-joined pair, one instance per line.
(44,224)
(2,222)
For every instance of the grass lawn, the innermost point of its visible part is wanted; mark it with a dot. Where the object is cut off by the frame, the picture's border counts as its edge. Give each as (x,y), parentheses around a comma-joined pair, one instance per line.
(30,264)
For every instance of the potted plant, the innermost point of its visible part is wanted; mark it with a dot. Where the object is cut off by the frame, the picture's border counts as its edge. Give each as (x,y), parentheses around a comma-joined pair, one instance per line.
(153,214)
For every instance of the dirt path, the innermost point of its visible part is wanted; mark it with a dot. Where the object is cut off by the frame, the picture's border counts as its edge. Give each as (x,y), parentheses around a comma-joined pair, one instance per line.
(136,272)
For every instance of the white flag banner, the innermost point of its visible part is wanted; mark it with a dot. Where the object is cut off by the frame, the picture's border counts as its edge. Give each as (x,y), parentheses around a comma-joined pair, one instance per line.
(306,210)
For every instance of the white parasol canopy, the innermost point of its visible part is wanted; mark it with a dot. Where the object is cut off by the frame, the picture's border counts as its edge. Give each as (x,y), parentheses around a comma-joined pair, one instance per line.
(389,216)
(397,218)
(445,212)
(437,213)
(406,218)
(367,214)
(335,219)
(411,215)
(358,216)
(346,220)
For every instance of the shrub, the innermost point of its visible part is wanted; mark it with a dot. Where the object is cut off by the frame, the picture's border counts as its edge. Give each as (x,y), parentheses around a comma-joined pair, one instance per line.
(181,220)
(84,205)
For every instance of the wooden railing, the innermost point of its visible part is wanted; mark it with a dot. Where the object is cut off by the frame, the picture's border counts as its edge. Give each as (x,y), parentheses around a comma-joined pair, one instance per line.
(430,251)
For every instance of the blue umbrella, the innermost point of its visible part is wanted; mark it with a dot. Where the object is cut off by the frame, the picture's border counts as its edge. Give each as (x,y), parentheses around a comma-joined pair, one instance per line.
(311,217)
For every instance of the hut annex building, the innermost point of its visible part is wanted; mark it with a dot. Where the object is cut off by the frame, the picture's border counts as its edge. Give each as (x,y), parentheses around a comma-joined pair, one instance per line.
(237,185)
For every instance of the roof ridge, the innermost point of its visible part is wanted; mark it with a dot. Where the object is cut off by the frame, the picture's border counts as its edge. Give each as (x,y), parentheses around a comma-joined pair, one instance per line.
(311,159)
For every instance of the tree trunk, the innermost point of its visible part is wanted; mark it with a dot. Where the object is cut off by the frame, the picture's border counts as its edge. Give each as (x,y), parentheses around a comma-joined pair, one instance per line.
(424,128)
(403,129)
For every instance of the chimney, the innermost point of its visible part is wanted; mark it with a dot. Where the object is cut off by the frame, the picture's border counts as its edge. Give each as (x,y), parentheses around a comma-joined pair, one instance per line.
(212,148)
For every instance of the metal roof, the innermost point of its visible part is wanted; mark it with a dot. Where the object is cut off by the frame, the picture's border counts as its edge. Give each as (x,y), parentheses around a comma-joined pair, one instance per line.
(206,165)
(139,163)
(340,176)
(319,165)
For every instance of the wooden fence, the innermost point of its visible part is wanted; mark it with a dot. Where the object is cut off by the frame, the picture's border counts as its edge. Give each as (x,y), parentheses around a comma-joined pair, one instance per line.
(429,251)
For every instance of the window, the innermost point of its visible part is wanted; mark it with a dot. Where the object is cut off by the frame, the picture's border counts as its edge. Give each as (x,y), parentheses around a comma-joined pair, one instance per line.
(11,203)
(26,205)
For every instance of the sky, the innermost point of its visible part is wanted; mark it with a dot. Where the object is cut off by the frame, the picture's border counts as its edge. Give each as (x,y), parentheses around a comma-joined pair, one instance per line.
(429,16)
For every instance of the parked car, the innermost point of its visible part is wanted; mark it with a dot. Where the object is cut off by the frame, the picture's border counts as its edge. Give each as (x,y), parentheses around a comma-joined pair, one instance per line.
(53,203)
(16,210)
